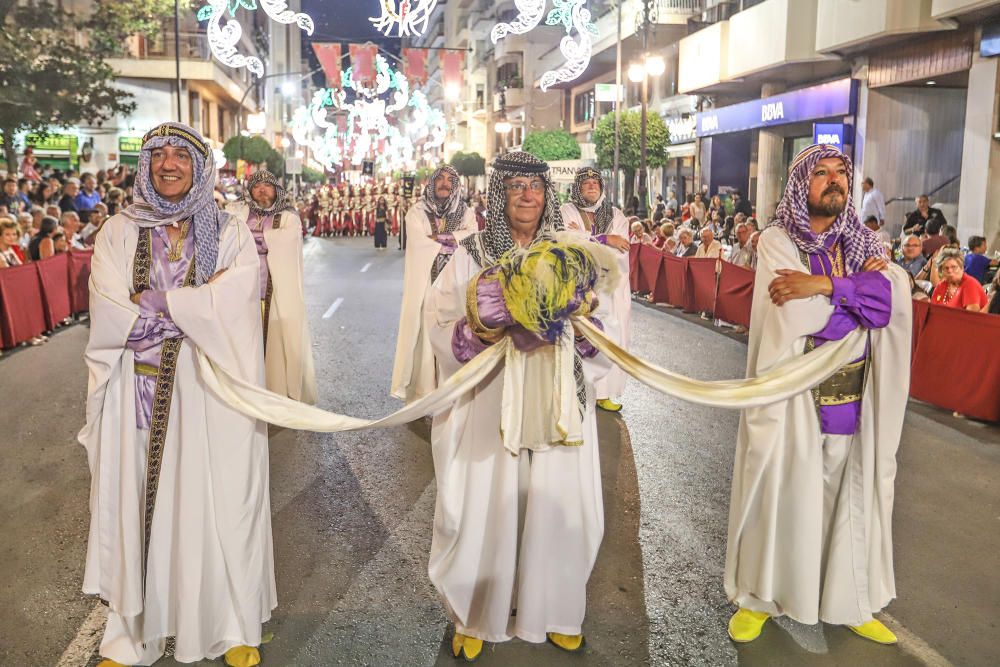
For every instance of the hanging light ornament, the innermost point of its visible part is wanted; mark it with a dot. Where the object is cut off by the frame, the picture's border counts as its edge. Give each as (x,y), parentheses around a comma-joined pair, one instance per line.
(223,39)
(572,15)
(409,17)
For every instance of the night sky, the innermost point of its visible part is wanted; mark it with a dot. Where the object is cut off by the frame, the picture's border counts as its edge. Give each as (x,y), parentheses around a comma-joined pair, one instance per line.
(344,21)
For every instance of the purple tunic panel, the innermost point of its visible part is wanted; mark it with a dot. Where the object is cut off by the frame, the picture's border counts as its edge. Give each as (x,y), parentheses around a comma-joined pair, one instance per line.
(257,227)
(860,299)
(154,324)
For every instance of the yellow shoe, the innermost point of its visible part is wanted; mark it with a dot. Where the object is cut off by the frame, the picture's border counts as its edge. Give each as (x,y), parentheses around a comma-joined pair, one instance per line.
(571,643)
(608,405)
(107,662)
(242,656)
(466,647)
(875,631)
(745,625)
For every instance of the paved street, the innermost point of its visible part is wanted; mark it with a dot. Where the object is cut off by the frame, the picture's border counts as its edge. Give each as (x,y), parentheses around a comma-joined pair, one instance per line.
(353,513)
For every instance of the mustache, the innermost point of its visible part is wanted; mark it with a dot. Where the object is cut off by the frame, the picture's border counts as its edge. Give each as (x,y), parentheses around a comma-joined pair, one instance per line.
(833,188)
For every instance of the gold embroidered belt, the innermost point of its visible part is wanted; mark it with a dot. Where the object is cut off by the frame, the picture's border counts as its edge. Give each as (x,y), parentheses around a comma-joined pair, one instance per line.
(844,386)
(146,369)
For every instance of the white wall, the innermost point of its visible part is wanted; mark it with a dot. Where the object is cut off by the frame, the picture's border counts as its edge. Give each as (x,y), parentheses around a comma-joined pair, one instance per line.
(704,58)
(771,33)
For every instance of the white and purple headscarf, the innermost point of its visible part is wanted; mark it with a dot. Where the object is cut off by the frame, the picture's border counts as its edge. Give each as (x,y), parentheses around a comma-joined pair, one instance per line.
(603,212)
(451,209)
(792,215)
(151,210)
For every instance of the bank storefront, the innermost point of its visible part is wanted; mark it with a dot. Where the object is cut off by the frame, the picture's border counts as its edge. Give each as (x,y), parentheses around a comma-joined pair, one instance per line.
(736,139)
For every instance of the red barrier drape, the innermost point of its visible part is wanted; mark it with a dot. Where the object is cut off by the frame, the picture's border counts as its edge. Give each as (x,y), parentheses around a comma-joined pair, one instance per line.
(702,284)
(53,273)
(633,266)
(957,339)
(649,268)
(661,292)
(79,279)
(732,304)
(21,313)
(675,275)
(921,309)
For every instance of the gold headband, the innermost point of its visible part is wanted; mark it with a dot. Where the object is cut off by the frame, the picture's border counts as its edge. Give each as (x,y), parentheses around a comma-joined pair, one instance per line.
(168,130)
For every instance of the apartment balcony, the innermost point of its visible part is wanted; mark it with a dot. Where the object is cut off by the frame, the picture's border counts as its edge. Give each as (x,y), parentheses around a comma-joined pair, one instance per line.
(771,34)
(515,99)
(942,9)
(704,58)
(855,24)
(155,60)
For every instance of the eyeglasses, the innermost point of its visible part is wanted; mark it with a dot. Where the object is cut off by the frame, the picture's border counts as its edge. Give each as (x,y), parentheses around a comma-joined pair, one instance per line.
(518,187)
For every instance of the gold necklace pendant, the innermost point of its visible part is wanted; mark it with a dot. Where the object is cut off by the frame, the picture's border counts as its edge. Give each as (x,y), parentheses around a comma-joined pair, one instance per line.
(177,247)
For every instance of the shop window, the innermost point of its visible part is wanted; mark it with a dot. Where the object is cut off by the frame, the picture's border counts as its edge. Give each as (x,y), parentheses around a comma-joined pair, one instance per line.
(509,74)
(583,108)
(480,96)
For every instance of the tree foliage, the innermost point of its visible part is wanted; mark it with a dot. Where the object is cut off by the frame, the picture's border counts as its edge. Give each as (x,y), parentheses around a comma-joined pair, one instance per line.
(469,164)
(657,140)
(552,145)
(54,70)
(310,175)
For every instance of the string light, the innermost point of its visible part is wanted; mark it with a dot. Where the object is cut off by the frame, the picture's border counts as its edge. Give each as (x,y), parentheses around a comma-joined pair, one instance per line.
(223,39)
(408,17)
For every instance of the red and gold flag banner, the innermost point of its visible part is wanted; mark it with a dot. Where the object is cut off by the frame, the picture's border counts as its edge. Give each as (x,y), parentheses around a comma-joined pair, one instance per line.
(363,63)
(415,66)
(328,55)
(451,70)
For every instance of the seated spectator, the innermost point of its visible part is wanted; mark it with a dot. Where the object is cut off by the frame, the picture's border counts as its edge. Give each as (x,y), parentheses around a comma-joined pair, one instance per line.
(957,289)
(639,235)
(11,198)
(670,247)
(994,307)
(41,245)
(951,235)
(918,221)
(754,239)
(68,200)
(913,259)
(685,243)
(661,237)
(53,211)
(94,222)
(934,241)
(70,223)
(60,243)
(10,251)
(742,252)
(709,246)
(874,224)
(88,196)
(976,262)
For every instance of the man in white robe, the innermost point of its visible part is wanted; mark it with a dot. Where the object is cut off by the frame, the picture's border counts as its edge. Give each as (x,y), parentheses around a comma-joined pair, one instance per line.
(180,534)
(589,212)
(433,231)
(277,232)
(810,522)
(510,532)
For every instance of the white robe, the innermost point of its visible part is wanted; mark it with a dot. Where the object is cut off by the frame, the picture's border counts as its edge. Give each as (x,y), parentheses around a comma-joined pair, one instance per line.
(288,360)
(210,579)
(413,374)
(482,562)
(612,384)
(810,521)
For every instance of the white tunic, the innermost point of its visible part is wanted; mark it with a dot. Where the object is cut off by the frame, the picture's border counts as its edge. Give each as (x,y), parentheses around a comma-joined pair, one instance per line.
(612,384)
(210,580)
(413,373)
(483,561)
(810,521)
(289,359)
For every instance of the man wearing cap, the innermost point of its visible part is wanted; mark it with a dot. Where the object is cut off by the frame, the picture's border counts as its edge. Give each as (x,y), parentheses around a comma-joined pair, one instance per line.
(589,212)
(810,521)
(516,533)
(277,231)
(180,532)
(433,230)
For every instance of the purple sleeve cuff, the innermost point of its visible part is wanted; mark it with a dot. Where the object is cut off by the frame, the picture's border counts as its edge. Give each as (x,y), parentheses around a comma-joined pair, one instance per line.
(601,238)
(153,303)
(583,346)
(492,308)
(861,299)
(465,344)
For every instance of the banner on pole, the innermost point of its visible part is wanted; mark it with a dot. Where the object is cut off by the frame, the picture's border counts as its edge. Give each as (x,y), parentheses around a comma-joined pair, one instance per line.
(415,66)
(451,68)
(363,63)
(329,55)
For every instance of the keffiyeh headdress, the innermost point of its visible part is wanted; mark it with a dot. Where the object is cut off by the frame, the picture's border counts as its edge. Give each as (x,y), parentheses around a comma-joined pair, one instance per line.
(602,210)
(281,201)
(451,209)
(487,246)
(151,210)
(792,215)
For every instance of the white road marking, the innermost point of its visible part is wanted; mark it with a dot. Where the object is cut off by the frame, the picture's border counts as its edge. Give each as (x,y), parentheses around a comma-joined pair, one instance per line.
(914,645)
(333,308)
(365,267)
(78,653)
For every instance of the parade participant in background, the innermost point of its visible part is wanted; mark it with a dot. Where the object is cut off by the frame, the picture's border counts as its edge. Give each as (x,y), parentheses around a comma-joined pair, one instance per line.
(180,532)
(810,522)
(509,530)
(381,223)
(590,212)
(433,229)
(276,230)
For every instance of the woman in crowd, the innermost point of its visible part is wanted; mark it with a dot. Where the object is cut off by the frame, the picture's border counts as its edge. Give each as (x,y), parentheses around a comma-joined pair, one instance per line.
(42,245)
(116,196)
(42,194)
(381,223)
(715,205)
(10,252)
(698,209)
(60,242)
(957,289)
(639,234)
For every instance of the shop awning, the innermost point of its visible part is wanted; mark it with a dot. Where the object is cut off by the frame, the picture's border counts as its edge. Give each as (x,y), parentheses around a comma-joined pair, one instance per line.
(681,150)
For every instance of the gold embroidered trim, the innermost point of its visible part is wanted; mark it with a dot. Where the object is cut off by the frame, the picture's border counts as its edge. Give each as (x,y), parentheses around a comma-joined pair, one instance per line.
(167,130)
(146,369)
(484,332)
(143,256)
(265,308)
(845,386)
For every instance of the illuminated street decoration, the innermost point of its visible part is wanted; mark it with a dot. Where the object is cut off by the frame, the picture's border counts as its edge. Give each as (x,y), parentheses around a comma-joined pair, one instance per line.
(223,39)
(408,17)
(572,15)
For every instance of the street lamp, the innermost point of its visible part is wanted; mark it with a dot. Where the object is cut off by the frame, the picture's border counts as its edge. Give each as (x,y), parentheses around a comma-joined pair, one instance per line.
(651,65)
